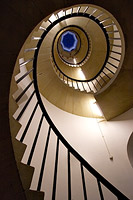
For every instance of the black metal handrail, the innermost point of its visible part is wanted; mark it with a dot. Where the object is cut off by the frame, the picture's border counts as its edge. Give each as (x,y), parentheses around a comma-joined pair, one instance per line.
(84,163)
(71,150)
(106,73)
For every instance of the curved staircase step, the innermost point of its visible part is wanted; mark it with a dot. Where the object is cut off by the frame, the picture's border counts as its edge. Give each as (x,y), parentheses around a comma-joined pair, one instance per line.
(58,93)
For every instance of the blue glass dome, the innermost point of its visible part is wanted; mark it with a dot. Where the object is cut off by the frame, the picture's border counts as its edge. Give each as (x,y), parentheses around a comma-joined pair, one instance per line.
(69,41)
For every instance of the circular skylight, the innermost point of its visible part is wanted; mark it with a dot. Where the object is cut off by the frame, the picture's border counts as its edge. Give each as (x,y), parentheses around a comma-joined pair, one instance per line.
(69,41)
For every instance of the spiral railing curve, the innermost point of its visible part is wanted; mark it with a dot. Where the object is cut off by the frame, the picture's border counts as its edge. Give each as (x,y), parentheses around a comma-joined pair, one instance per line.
(30,88)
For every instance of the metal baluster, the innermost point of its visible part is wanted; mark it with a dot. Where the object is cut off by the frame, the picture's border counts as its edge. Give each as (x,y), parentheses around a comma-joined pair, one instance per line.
(99,15)
(67,81)
(23,76)
(43,161)
(109,70)
(89,86)
(93,12)
(28,124)
(98,83)
(49,21)
(104,20)
(112,64)
(115,45)
(30,49)
(42,28)
(69,177)
(83,182)
(58,15)
(72,83)
(71,11)
(35,142)
(109,25)
(77,85)
(78,9)
(24,91)
(25,106)
(106,74)
(86,9)
(55,171)
(35,38)
(83,86)
(102,79)
(116,31)
(26,62)
(115,52)
(114,38)
(100,190)
(115,58)
(94,85)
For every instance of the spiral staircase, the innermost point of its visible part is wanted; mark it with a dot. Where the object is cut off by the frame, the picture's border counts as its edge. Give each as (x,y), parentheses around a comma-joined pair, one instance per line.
(37,63)
(43,72)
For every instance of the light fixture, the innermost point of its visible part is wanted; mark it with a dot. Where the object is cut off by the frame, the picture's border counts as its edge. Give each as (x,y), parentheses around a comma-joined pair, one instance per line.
(74,60)
(95,108)
(81,74)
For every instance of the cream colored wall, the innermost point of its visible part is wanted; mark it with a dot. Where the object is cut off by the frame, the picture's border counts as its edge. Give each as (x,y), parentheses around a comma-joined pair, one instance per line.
(96,149)
(130,149)
(111,104)
(84,135)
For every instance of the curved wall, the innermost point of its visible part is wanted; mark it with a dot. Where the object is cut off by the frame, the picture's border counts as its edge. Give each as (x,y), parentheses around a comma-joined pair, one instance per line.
(130,149)
(86,136)
(18,18)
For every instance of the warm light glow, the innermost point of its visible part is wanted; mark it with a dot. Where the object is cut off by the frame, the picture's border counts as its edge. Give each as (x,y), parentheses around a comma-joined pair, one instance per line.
(74,60)
(95,108)
(81,74)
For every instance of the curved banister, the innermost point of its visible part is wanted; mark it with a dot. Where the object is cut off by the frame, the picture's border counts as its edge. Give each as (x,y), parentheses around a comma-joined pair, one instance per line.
(107,73)
(79,15)
(39,104)
(100,178)
(107,42)
(109,70)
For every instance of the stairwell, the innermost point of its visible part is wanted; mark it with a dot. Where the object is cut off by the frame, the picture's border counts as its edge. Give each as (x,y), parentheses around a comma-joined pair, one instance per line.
(22,149)
(25,97)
